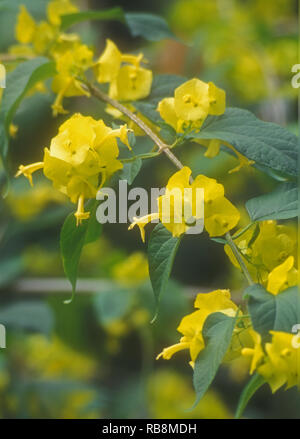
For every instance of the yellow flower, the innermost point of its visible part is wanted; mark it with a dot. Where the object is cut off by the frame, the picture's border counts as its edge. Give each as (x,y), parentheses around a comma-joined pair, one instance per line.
(25,27)
(43,37)
(178,209)
(108,65)
(128,82)
(273,245)
(282,277)
(53,359)
(131,84)
(192,100)
(69,65)
(191,325)
(166,108)
(133,270)
(256,352)
(57,8)
(83,150)
(279,363)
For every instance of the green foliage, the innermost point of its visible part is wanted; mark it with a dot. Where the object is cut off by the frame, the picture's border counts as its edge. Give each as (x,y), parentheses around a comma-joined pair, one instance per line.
(162,250)
(112,304)
(269,312)
(73,239)
(69,20)
(217,332)
(19,82)
(30,315)
(280,204)
(149,26)
(266,143)
(249,390)
(130,170)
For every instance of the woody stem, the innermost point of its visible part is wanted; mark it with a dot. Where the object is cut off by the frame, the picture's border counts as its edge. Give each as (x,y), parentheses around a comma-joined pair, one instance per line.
(239,258)
(162,147)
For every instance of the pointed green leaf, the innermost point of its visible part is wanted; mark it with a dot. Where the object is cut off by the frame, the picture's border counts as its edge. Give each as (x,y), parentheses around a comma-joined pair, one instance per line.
(217,332)
(18,83)
(149,26)
(251,387)
(130,170)
(162,249)
(73,238)
(269,312)
(266,143)
(280,204)
(69,20)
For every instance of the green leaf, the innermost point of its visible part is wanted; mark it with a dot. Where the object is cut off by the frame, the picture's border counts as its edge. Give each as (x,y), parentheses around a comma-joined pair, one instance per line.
(31,315)
(162,249)
(18,83)
(130,170)
(149,26)
(251,387)
(280,204)
(269,312)
(217,332)
(69,20)
(112,304)
(163,86)
(266,143)
(73,239)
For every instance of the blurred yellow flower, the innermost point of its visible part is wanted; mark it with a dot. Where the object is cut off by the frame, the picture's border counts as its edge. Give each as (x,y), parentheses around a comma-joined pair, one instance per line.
(170,395)
(25,27)
(51,358)
(57,8)
(133,270)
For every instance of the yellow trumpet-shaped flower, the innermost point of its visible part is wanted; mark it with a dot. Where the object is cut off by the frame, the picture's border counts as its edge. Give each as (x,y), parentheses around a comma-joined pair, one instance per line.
(283,276)
(193,101)
(108,65)
(191,325)
(274,243)
(83,151)
(181,206)
(277,361)
(128,80)
(69,65)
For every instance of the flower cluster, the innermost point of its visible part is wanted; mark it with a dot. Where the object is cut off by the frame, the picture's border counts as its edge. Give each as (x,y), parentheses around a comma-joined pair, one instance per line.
(128,80)
(220,215)
(264,248)
(38,38)
(193,101)
(191,325)
(83,151)
(278,361)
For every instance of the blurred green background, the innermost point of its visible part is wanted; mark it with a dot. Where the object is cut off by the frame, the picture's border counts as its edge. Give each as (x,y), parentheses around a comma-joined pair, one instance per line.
(96,356)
